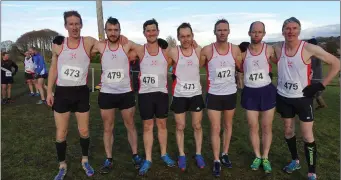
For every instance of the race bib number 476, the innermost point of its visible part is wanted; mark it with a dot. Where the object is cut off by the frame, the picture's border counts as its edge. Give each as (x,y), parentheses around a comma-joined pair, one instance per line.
(150,80)
(71,73)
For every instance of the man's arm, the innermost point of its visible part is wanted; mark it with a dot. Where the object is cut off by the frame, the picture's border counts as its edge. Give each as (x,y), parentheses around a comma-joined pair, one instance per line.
(53,70)
(332,61)
(203,56)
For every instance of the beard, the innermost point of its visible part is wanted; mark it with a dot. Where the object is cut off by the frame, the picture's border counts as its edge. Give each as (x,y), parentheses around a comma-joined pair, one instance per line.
(115,39)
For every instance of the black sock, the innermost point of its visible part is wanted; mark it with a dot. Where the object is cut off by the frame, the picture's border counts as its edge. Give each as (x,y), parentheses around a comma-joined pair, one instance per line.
(310,155)
(61,150)
(134,155)
(292,147)
(85,142)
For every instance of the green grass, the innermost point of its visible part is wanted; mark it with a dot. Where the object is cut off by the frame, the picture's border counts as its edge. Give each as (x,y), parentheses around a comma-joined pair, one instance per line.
(28,150)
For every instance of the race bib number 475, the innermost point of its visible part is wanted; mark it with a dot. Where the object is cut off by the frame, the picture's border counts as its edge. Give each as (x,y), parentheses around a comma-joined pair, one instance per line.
(225,75)
(292,87)
(150,80)
(114,75)
(71,73)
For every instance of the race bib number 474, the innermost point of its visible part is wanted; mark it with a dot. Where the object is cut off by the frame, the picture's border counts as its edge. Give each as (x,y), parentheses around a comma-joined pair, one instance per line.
(71,73)
(150,80)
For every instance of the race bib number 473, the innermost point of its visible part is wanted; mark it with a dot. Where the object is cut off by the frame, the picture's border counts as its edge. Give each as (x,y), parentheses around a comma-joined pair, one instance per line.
(71,73)
(150,80)
(225,75)
(114,75)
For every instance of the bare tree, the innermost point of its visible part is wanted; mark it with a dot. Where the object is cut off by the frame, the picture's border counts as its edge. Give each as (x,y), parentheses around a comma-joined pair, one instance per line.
(171,41)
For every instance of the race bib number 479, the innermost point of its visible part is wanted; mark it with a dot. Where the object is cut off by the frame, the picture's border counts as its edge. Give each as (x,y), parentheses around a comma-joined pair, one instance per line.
(150,80)
(71,73)
(114,75)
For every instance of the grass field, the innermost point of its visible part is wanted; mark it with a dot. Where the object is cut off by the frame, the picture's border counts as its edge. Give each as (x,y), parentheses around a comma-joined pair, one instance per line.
(28,150)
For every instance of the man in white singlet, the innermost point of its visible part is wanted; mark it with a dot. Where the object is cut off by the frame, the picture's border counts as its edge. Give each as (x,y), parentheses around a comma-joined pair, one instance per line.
(295,92)
(69,70)
(221,59)
(259,94)
(153,92)
(187,92)
(116,91)
(29,73)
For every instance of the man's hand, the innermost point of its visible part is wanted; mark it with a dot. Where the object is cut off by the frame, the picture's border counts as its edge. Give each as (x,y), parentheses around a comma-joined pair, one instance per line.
(123,40)
(312,89)
(49,99)
(58,40)
(162,43)
(35,75)
(194,44)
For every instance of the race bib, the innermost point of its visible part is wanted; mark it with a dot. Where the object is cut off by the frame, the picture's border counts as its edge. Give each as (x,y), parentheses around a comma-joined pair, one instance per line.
(189,87)
(71,73)
(150,80)
(8,74)
(114,75)
(255,77)
(292,87)
(226,74)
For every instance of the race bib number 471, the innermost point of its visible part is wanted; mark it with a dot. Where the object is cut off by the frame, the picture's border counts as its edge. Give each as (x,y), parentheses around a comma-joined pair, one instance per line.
(114,75)
(150,80)
(188,87)
(71,73)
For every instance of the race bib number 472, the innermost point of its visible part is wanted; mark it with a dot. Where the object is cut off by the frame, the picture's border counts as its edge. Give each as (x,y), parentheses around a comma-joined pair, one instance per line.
(71,73)
(114,75)
(225,75)
(150,80)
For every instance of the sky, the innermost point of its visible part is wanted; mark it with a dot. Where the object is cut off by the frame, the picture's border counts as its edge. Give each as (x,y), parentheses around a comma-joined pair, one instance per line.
(18,17)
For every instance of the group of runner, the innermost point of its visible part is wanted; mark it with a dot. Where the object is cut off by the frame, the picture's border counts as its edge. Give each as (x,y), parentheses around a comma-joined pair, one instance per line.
(292,96)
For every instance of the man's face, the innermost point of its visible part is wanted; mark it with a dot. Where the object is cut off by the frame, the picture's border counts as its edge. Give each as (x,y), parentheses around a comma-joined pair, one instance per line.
(31,51)
(5,57)
(291,31)
(73,26)
(257,33)
(222,31)
(185,37)
(113,32)
(151,33)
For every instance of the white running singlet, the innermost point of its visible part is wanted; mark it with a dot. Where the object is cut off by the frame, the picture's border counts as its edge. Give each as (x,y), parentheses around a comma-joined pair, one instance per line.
(115,76)
(73,65)
(256,69)
(29,65)
(187,82)
(293,73)
(153,73)
(221,73)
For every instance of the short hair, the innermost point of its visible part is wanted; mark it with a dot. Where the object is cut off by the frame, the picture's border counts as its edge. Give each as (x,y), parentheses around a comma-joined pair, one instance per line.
(255,23)
(150,22)
(290,20)
(220,21)
(184,25)
(33,48)
(3,53)
(72,13)
(112,21)
(312,41)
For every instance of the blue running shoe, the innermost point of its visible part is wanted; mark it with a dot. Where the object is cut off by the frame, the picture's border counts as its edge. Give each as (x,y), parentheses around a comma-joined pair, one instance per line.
(312,176)
(107,167)
(294,165)
(137,161)
(37,94)
(61,174)
(200,161)
(216,169)
(182,162)
(226,161)
(169,162)
(145,167)
(31,94)
(89,171)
